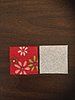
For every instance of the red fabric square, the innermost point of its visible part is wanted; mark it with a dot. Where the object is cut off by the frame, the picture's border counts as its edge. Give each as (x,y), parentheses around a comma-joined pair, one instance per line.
(24,60)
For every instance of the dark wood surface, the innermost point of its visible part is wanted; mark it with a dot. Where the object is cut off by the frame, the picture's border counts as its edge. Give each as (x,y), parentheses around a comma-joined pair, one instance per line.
(36,22)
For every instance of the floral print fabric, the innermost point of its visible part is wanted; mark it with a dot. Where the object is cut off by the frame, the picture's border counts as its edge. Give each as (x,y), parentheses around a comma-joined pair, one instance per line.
(24,60)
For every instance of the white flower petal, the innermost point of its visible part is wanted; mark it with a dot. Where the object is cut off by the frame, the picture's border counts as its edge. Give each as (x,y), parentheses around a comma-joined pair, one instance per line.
(25,63)
(20,48)
(27,68)
(23,47)
(26,48)
(19,51)
(17,71)
(24,72)
(21,73)
(19,63)
(24,53)
(17,66)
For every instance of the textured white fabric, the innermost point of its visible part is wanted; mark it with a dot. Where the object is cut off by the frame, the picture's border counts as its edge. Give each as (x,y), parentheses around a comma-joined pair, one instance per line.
(54,59)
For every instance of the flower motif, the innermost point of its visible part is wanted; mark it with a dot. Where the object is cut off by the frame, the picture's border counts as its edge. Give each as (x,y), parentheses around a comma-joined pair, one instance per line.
(23,50)
(33,63)
(23,60)
(21,68)
(13,60)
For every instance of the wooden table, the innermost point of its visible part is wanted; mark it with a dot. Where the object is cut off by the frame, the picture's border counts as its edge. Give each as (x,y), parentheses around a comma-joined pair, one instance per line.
(36,22)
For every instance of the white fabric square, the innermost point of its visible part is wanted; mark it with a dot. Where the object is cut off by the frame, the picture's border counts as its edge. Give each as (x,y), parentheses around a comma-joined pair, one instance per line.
(54,59)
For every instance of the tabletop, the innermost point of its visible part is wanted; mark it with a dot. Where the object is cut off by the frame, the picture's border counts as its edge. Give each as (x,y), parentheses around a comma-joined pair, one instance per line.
(36,22)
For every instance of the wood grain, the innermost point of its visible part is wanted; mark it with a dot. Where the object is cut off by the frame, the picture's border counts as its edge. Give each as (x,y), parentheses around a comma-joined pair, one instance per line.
(36,22)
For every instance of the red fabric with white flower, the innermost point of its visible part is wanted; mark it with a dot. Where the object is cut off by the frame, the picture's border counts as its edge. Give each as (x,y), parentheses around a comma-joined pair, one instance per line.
(24,60)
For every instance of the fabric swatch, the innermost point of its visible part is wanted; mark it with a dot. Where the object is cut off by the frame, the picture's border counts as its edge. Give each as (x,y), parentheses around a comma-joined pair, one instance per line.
(24,60)
(54,59)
